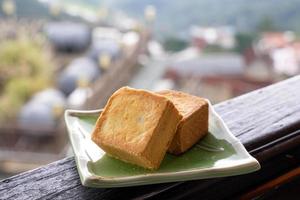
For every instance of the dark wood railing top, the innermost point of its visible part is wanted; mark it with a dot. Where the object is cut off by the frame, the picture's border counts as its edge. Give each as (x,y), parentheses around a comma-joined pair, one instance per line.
(267,121)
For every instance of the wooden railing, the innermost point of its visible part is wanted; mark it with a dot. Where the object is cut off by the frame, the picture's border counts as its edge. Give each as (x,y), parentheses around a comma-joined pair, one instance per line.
(267,121)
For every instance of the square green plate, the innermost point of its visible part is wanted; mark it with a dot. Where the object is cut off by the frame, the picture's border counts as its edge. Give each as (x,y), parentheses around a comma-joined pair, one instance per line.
(219,154)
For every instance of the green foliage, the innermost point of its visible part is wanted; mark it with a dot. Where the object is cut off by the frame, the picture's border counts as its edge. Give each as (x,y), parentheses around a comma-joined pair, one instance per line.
(266,24)
(175,44)
(215,49)
(22,58)
(178,15)
(24,69)
(243,41)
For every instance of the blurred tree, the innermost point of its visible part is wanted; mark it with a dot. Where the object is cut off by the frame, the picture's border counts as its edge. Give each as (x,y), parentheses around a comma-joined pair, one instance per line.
(172,43)
(244,41)
(266,24)
(8,7)
(215,49)
(24,69)
(22,58)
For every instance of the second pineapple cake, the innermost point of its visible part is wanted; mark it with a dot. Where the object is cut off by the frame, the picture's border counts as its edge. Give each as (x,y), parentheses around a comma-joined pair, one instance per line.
(194,124)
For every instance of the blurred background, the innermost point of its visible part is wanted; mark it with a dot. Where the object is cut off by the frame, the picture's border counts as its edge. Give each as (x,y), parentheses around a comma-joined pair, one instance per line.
(64,54)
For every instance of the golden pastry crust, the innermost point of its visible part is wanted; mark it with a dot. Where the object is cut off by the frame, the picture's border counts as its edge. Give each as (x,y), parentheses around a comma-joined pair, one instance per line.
(194,124)
(137,126)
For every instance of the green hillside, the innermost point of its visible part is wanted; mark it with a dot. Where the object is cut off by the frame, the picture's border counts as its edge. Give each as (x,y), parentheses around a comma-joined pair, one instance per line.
(178,15)
(35,10)
(174,17)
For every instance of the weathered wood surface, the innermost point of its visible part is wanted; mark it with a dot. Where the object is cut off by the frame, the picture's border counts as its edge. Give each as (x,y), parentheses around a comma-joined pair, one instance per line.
(287,191)
(273,184)
(267,121)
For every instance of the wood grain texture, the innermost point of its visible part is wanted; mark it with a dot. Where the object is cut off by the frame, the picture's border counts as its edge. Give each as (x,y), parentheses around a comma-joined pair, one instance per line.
(257,119)
(281,180)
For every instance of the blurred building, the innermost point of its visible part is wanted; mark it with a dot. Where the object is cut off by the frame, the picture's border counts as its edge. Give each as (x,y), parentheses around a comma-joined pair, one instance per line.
(279,51)
(79,69)
(68,36)
(217,76)
(223,36)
